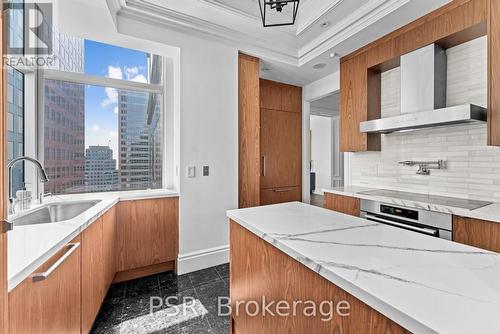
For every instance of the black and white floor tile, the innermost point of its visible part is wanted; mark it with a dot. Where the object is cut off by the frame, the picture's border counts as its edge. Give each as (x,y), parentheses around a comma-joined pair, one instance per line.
(192,304)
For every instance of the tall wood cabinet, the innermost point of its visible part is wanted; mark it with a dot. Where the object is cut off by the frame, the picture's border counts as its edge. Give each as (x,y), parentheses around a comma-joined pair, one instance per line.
(280,142)
(270,138)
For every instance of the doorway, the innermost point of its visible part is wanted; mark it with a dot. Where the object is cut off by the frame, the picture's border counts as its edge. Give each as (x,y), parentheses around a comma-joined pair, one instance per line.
(326,161)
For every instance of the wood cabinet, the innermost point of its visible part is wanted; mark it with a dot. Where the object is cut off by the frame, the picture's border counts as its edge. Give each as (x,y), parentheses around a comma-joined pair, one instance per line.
(147,233)
(259,269)
(453,24)
(280,195)
(109,246)
(51,304)
(343,204)
(280,142)
(248,131)
(93,273)
(478,233)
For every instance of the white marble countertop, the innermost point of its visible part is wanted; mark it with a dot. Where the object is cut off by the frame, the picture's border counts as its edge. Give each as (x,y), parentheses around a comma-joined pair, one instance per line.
(490,212)
(426,284)
(30,246)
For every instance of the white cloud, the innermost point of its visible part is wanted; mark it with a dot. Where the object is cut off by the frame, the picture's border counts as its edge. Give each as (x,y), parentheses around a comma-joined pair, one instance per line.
(113,135)
(139,78)
(116,110)
(131,72)
(115,72)
(111,97)
(95,127)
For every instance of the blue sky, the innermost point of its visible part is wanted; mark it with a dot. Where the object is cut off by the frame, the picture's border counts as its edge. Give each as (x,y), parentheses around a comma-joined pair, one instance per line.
(101,119)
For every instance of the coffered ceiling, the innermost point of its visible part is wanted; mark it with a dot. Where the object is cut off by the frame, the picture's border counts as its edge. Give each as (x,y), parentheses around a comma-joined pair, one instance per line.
(323,29)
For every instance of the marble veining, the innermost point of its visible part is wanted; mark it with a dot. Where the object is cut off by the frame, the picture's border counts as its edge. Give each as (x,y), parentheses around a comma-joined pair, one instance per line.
(426,284)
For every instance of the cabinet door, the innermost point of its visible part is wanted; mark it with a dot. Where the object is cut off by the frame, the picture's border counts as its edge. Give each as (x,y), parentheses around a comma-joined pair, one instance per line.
(271,95)
(109,237)
(93,276)
(478,233)
(49,305)
(281,149)
(147,232)
(280,195)
(342,204)
(291,98)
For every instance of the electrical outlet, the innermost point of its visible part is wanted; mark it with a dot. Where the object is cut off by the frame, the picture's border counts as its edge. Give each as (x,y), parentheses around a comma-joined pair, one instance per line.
(206,170)
(191,171)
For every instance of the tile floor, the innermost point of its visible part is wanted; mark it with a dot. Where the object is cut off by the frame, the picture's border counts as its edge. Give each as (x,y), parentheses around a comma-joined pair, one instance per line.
(193,304)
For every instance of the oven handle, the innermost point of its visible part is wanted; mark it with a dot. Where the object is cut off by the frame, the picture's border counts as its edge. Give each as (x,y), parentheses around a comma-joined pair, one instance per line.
(409,227)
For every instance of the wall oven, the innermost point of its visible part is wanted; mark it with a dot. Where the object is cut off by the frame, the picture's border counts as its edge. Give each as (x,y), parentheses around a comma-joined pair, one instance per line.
(431,223)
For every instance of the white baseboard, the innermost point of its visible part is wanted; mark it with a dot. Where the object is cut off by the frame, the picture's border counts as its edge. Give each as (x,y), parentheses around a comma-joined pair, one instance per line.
(205,258)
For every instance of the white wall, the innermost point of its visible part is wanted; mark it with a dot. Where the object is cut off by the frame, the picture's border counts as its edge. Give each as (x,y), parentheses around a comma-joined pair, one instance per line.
(473,169)
(321,151)
(206,94)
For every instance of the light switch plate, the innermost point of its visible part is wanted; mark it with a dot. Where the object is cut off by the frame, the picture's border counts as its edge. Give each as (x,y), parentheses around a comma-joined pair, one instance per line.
(206,171)
(191,171)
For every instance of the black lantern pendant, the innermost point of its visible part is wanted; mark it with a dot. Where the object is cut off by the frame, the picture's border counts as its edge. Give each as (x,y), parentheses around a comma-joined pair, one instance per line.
(278,12)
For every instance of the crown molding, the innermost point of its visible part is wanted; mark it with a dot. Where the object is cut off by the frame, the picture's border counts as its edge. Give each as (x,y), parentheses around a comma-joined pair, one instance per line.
(147,12)
(361,19)
(304,27)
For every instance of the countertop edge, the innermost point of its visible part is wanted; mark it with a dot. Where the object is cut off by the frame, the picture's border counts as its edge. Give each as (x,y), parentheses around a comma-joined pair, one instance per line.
(19,277)
(377,304)
(480,213)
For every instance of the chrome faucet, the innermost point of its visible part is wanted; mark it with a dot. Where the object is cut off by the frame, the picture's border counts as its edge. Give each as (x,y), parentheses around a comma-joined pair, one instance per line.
(424,167)
(41,174)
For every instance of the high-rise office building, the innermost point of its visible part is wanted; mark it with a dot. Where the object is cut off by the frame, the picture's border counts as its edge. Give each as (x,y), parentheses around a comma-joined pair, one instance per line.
(100,169)
(65,120)
(140,155)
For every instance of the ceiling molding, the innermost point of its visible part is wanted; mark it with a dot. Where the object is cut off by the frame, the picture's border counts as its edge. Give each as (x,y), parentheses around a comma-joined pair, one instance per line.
(253,18)
(366,15)
(146,12)
(302,28)
(351,25)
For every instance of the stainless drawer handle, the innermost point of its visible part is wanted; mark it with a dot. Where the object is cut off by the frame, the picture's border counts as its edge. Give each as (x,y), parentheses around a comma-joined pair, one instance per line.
(407,226)
(282,190)
(264,172)
(46,274)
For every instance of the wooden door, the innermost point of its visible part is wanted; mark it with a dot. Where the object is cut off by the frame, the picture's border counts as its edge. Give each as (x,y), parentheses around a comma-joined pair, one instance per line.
(51,305)
(93,275)
(248,131)
(3,187)
(109,244)
(291,98)
(147,233)
(281,149)
(271,95)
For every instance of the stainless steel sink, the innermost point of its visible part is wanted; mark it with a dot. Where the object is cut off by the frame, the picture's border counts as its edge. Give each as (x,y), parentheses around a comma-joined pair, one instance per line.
(54,212)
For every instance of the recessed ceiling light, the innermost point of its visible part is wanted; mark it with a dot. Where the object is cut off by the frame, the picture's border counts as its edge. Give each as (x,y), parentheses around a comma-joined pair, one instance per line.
(334,54)
(319,66)
(324,24)
(266,69)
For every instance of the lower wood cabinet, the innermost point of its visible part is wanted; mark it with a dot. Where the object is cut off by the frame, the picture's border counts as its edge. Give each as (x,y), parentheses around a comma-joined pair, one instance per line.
(49,303)
(147,233)
(93,274)
(342,204)
(478,233)
(280,195)
(109,244)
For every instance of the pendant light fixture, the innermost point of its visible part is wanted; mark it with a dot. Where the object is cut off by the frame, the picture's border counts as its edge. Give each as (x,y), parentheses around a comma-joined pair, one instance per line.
(278,12)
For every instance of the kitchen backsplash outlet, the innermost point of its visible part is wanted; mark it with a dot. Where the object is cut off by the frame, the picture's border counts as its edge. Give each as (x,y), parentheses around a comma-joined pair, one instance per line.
(472,168)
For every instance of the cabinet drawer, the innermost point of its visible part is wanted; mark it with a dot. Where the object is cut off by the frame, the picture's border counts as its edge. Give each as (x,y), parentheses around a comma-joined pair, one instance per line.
(280,195)
(49,301)
(342,204)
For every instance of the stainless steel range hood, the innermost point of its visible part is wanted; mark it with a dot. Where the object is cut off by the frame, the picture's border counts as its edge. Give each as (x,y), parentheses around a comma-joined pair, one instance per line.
(423,96)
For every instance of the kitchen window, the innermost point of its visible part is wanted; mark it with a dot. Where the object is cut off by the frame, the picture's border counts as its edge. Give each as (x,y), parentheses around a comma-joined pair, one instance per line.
(102,125)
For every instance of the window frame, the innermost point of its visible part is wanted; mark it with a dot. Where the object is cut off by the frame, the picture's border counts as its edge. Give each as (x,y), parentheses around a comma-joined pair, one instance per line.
(88,79)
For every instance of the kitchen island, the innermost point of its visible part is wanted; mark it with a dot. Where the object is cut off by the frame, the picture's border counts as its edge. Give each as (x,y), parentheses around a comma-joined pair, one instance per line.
(394,280)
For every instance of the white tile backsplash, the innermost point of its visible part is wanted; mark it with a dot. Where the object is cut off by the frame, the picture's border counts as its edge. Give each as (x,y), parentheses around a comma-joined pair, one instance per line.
(472,168)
